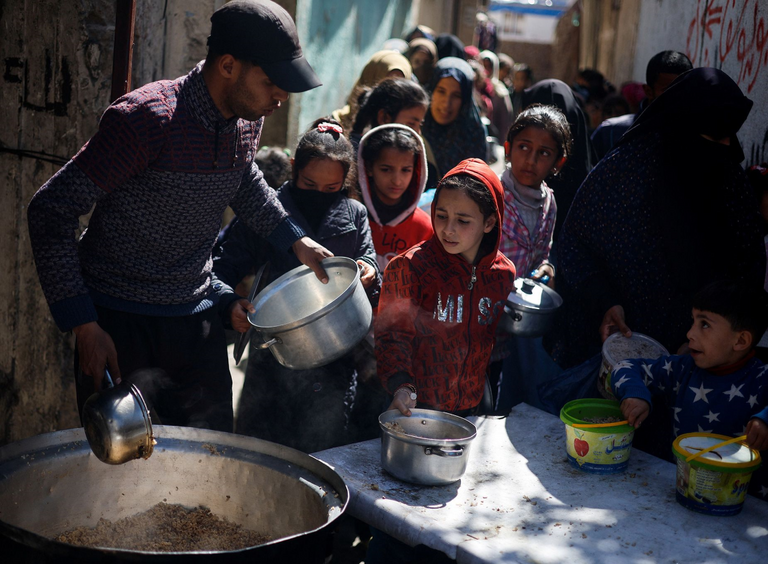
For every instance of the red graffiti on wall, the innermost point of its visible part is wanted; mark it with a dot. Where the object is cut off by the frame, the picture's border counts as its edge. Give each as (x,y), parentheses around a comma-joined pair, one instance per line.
(722,29)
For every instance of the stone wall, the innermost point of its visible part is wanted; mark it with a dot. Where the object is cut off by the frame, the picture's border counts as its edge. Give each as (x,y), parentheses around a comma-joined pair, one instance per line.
(56,83)
(731,36)
(618,38)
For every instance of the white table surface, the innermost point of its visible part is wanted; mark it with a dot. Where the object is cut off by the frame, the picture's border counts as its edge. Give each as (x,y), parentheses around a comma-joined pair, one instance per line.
(521,501)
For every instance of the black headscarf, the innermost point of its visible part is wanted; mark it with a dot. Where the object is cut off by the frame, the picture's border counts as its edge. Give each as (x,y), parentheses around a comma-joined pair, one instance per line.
(663,214)
(700,101)
(553,92)
(697,211)
(449,46)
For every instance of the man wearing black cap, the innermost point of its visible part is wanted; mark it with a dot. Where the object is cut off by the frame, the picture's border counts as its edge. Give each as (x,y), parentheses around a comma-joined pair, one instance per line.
(168,158)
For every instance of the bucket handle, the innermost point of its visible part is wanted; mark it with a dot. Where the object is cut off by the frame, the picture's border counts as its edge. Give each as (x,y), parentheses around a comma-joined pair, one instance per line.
(714,447)
(267,344)
(454,451)
(594,425)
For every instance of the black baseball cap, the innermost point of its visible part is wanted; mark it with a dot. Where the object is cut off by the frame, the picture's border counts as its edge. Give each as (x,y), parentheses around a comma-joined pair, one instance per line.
(264,33)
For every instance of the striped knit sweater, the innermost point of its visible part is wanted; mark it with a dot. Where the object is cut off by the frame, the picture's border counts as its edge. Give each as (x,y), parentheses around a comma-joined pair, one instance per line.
(161,170)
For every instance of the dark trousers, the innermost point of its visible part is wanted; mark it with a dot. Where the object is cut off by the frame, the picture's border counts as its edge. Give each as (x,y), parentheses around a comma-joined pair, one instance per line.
(308,410)
(179,364)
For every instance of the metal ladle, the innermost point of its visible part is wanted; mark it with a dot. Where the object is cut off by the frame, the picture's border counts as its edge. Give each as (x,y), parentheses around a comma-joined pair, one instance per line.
(117,423)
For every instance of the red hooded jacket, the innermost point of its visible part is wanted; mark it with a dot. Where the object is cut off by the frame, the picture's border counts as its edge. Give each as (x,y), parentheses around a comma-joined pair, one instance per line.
(409,227)
(438,314)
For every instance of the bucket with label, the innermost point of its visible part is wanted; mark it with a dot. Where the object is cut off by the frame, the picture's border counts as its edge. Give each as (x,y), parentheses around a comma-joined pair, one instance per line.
(617,347)
(598,439)
(716,482)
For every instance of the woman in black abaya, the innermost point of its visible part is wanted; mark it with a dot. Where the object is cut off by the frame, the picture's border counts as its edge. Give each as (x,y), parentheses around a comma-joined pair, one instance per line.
(666,212)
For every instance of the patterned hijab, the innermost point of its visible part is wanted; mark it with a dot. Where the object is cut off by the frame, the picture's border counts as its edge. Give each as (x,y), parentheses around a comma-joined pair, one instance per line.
(463,138)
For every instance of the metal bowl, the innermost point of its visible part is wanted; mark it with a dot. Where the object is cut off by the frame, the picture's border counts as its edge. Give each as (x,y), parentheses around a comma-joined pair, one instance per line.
(52,483)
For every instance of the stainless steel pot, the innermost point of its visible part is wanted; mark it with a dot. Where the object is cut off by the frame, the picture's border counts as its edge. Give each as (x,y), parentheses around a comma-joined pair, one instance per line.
(306,323)
(429,447)
(52,483)
(530,309)
(117,423)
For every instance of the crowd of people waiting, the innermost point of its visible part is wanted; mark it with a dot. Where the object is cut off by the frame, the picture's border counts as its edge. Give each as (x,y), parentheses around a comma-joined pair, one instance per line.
(631,204)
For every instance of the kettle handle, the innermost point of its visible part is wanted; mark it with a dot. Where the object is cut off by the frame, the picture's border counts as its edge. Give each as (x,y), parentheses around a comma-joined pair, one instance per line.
(108,378)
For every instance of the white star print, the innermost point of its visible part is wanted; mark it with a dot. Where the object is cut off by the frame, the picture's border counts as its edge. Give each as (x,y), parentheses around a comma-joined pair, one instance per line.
(733,392)
(701,393)
(621,381)
(762,371)
(622,364)
(704,430)
(677,387)
(752,401)
(677,410)
(647,377)
(668,367)
(661,387)
(712,416)
(676,430)
(763,491)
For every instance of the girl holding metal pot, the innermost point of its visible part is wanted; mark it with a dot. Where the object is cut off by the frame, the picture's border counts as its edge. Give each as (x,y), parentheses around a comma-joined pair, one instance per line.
(537,148)
(442,300)
(440,304)
(304,409)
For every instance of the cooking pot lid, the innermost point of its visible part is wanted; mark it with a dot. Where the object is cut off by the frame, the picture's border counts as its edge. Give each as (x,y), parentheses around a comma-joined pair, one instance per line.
(533,295)
(259,281)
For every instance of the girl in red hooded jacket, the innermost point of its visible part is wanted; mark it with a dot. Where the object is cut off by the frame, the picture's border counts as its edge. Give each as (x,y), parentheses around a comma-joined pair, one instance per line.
(442,299)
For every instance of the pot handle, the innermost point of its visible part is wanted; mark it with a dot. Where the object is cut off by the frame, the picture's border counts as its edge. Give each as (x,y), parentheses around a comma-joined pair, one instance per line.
(457,450)
(273,341)
(515,315)
(108,378)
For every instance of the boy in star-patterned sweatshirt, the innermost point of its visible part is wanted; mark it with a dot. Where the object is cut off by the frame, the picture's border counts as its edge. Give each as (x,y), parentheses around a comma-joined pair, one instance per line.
(719,386)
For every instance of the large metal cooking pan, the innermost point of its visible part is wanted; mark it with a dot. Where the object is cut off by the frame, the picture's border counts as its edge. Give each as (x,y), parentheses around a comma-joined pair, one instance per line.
(53,482)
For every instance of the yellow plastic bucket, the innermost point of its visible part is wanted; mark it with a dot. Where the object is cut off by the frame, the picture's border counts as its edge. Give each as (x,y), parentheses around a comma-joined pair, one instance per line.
(714,483)
(600,450)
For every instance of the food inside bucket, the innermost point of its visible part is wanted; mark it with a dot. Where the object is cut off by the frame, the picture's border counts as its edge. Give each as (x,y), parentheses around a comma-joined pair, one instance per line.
(596,450)
(166,528)
(634,348)
(601,420)
(617,348)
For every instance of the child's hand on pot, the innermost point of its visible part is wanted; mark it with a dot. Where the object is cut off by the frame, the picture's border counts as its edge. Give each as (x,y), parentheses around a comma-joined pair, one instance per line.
(635,410)
(367,274)
(238,315)
(757,434)
(403,402)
